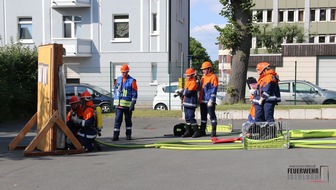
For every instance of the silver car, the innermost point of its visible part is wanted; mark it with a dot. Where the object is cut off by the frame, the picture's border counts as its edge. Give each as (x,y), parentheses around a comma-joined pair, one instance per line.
(306,93)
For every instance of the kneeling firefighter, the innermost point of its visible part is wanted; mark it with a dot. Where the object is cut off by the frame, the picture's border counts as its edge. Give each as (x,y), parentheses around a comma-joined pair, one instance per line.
(87,133)
(189,96)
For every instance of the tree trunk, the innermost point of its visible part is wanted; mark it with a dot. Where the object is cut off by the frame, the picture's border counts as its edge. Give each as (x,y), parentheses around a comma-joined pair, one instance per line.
(236,85)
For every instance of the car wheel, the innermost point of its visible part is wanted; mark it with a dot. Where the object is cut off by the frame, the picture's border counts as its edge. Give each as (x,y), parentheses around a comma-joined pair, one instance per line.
(106,108)
(160,107)
(329,102)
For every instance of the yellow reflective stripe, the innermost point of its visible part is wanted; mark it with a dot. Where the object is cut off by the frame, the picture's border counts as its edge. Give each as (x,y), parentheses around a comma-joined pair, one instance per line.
(122,103)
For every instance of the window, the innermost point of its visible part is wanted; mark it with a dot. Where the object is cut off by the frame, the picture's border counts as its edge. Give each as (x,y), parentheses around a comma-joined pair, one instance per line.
(259,43)
(25,29)
(300,88)
(290,17)
(154,72)
(69,91)
(71,26)
(312,15)
(332,39)
(259,16)
(301,15)
(170,89)
(281,17)
(121,26)
(284,87)
(311,39)
(154,22)
(333,14)
(323,14)
(321,39)
(269,15)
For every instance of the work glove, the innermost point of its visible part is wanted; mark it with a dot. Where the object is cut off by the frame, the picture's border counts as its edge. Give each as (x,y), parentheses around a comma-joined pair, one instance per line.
(177,93)
(252,91)
(261,100)
(77,120)
(131,108)
(210,103)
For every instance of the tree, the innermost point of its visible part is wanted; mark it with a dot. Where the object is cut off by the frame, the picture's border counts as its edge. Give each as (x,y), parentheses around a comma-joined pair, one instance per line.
(237,36)
(18,81)
(198,54)
(272,37)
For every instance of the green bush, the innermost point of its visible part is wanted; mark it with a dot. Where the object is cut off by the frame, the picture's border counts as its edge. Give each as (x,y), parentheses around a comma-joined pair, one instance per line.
(18,81)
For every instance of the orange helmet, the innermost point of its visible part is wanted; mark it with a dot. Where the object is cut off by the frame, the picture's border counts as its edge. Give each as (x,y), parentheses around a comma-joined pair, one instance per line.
(262,66)
(124,68)
(206,65)
(190,71)
(73,99)
(86,95)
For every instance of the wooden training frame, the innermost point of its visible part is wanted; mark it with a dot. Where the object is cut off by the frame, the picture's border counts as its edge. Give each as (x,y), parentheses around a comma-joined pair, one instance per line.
(47,116)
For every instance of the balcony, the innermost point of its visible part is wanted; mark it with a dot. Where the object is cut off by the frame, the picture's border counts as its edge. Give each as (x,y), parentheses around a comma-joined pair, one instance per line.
(70,3)
(75,47)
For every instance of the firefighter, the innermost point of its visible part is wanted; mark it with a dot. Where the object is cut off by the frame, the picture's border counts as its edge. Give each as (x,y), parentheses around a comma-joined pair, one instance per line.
(189,96)
(252,84)
(207,98)
(267,93)
(125,96)
(76,110)
(87,132)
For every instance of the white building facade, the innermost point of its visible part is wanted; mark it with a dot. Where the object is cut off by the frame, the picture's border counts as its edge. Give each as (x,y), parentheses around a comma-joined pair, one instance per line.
(151,36)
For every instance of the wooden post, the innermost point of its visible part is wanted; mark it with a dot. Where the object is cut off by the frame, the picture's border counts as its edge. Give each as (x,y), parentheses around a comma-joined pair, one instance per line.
(47,117)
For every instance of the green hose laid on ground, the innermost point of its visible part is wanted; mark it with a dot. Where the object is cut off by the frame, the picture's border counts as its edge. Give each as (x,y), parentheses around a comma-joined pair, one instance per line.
(186,144)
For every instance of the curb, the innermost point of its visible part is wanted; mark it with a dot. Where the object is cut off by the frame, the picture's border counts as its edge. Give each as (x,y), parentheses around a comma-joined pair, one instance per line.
(323,113)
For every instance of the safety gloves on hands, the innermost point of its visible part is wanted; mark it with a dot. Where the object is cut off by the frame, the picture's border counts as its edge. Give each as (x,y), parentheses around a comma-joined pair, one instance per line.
(77,120)
(178,93)
(261,100)
(131,108)
(210,103)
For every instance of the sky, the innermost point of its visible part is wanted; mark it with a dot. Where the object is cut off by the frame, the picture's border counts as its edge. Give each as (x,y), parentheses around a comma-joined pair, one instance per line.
(204,15)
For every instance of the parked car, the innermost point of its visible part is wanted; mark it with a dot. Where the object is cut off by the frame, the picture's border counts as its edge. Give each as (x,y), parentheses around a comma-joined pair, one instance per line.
(306,93)
(100,97)
(165,96)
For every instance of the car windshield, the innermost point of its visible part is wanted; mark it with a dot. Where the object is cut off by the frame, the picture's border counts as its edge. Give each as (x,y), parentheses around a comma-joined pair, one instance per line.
(100,90)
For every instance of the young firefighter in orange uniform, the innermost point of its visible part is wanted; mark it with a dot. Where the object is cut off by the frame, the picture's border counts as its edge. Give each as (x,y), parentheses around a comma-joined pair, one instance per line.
(189,94)
(125,96)
(267,93)
(87,133)
(76,110)
(207,99)
(252,84)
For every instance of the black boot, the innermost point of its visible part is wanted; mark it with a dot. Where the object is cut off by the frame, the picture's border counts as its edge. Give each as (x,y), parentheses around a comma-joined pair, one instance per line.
(203,128)
(196,131)
(115,137)
(188,132)
(213,131)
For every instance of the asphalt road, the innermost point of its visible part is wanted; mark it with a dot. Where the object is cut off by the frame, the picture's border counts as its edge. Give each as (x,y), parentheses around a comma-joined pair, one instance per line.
(156,168)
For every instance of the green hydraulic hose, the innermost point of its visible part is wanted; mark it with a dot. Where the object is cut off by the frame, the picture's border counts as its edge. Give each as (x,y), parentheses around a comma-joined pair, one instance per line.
(176,145)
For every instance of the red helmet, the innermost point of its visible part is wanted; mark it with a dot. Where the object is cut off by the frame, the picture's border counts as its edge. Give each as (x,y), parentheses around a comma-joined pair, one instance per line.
(190,71)
(73,100)
(262,66)
(124,68)
(86,95)
(206,65)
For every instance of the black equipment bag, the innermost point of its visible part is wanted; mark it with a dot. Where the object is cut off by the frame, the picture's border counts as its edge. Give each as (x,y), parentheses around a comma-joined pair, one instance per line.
(179,129)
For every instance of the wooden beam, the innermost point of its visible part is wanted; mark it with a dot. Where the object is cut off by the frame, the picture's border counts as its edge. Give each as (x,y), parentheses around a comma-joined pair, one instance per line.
(22,133)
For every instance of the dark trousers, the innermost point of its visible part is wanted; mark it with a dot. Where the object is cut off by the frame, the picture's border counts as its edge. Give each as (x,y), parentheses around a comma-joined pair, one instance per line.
(205,110)
(265,112)
(189,115)
(118,120)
